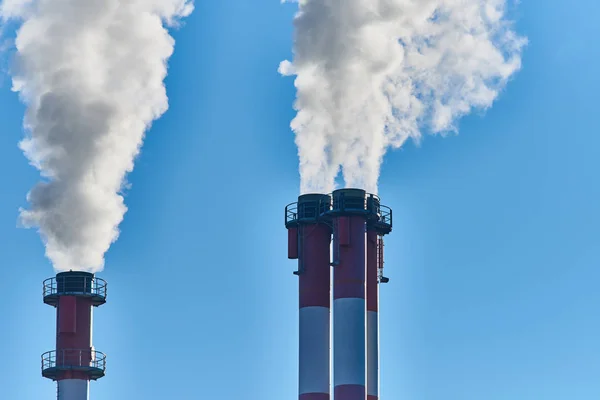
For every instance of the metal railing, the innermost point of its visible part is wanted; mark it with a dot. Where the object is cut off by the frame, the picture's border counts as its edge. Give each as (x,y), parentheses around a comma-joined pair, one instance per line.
(352,203)
(385,216)
(80,359)
(75,285)
(306,211)
(291,213)
(370,205)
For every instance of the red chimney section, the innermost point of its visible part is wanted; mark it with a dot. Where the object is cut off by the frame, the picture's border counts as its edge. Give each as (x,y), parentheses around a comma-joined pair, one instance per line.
(74,362)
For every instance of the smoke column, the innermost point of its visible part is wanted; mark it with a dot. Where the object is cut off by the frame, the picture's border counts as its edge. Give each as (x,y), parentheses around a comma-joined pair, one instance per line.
(91,74)
(372,73)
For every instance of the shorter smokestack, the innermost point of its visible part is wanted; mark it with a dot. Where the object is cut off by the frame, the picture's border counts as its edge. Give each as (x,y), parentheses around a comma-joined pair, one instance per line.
(74,362)
(379,224)
(309,237)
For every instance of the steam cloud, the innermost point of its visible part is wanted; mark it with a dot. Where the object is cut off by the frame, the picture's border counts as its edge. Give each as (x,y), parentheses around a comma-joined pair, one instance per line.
(373,73)
(91,74)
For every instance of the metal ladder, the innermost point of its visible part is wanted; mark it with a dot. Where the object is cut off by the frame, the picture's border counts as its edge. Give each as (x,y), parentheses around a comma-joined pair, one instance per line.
(380,277)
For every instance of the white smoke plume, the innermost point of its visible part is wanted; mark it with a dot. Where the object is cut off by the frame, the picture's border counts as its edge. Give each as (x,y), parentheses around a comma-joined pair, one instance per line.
(373,73)
(91,74)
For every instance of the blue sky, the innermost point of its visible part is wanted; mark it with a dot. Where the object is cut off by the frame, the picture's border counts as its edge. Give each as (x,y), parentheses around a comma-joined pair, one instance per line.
(493,259)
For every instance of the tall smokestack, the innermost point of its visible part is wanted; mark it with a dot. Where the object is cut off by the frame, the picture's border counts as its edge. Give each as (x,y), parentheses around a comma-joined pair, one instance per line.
(74,362)
(372,316)
(371,75)
(309,237)
(350,216)
(359,222)
(380,223)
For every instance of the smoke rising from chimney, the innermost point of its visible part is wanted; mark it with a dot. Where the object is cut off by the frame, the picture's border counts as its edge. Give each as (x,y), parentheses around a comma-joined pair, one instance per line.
(91,74)
(372,73)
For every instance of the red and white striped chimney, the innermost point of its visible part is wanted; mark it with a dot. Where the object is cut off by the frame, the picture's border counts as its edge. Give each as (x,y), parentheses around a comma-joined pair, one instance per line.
(309,237)
(380,224)
(349,294)
(74,362)
(359,221)
(372,316)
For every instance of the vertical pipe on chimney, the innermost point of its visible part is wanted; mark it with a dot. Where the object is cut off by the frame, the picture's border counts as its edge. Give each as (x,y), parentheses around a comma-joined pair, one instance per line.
(349,309)
(313,252)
